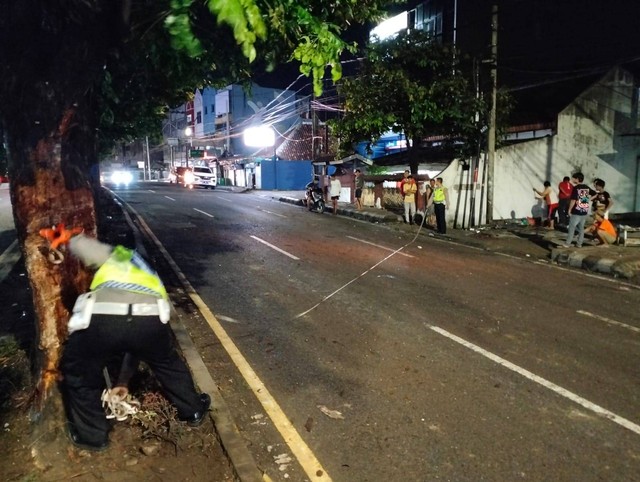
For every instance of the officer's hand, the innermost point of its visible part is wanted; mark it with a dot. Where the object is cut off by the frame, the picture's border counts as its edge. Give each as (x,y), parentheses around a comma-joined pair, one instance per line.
(119,392)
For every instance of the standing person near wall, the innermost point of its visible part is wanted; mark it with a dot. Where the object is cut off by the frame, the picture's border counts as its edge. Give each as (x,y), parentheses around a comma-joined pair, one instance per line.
(440,205)
(359,188)
(334,191)
(564,198)
(410,189)
(405,175)
(430,211)
(603,202)
(551,198)
(579,207)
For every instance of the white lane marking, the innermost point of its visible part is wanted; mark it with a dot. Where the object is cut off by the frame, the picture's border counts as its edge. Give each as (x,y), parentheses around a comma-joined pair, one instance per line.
(306,458)
(170,198)
(378,246)
(228,319)
(224,198)
(275,247)
(542,381)
(610,321)
(205,213)
(151,190)
(275,214)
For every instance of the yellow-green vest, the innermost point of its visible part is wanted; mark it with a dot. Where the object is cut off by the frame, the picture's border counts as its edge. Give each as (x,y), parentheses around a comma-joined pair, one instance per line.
(126,270)
(438,194)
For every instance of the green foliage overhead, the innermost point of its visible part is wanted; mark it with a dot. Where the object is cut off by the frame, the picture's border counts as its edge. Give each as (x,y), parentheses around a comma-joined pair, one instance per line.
(308,31)
(176,46)
(414,85)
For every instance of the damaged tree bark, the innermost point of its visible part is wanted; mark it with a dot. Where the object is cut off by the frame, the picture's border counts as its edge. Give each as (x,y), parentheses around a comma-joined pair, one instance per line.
(42,203)
(52,56)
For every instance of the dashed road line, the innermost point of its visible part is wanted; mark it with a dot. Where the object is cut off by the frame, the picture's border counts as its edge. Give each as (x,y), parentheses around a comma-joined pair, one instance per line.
(609,321)
(271,212)
(379,246)
(203,212)
(275,247)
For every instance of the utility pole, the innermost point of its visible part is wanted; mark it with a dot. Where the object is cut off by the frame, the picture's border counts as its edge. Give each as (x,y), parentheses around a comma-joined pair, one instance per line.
(491,141)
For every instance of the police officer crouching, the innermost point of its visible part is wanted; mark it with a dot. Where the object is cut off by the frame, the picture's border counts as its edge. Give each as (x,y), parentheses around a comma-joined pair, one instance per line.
(125,311)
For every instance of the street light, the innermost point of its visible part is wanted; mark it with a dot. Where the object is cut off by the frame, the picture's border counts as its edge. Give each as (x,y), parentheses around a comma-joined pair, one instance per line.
(188,132)
(262,136)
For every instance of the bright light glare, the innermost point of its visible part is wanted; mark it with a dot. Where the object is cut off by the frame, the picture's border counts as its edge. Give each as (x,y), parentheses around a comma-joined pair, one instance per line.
(121,177)
(390,27)
(188,132)
(262,136)
(188,177)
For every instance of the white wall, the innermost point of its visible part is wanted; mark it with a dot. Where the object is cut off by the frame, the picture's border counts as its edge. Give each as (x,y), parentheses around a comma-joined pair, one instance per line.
(597,135)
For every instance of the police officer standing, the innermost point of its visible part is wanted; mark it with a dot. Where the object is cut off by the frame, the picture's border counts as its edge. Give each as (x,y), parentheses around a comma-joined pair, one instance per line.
(440,202)
(125,311)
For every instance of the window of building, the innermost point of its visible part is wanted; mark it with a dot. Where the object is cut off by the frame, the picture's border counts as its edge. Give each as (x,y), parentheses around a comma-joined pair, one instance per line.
(199,117)
(206,111)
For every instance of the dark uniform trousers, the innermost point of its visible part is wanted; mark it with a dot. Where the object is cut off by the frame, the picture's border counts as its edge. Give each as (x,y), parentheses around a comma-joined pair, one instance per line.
(441,223)
(88,351)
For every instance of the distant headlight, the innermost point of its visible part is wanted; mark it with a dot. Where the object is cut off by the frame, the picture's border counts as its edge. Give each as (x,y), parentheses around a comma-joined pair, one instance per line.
(189,177)
(121,177)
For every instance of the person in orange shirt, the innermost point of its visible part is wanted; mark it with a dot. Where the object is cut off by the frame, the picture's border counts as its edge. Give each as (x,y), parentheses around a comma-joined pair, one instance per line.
(604,230)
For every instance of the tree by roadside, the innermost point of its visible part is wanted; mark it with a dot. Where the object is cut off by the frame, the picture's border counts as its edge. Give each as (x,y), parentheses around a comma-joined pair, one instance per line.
(76,75)
(414,85)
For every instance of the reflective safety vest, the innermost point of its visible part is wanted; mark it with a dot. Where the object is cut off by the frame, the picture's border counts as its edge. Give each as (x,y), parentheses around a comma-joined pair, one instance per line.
(127,270)
(438,194)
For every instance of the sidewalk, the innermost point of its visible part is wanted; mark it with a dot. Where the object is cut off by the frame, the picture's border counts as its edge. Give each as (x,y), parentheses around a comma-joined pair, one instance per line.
(508,237)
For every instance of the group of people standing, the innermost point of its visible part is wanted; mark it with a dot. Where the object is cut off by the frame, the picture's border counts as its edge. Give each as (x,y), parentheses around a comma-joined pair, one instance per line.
(574,203)
(437,201)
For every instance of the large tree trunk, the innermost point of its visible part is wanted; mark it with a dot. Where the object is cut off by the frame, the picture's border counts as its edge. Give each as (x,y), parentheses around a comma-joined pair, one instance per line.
(41,198)
(42,203)
(52,55)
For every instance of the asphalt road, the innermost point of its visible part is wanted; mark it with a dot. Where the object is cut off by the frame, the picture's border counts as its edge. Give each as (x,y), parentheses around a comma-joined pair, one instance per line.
(368,362)
(446,363)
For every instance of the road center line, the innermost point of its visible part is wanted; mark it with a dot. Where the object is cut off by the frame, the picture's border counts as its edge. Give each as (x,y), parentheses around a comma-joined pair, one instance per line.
(378,246)
(275,247)
(170,198)
(541,381)
(609,321)
(206,214)
(275,214)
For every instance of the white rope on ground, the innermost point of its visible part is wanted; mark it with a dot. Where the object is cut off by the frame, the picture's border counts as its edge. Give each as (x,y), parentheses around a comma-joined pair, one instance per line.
(299,315)
(118,407)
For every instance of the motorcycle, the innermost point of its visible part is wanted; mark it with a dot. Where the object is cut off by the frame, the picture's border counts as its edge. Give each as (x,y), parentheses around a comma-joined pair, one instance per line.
(314,198)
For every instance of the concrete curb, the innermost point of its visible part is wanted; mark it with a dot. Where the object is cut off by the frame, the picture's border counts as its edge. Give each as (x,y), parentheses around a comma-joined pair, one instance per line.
(574,258)
(620,268)
(372,217)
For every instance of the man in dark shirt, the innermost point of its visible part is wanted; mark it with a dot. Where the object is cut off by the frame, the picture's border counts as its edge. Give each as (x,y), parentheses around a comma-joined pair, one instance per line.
(602,202)
(579,207)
